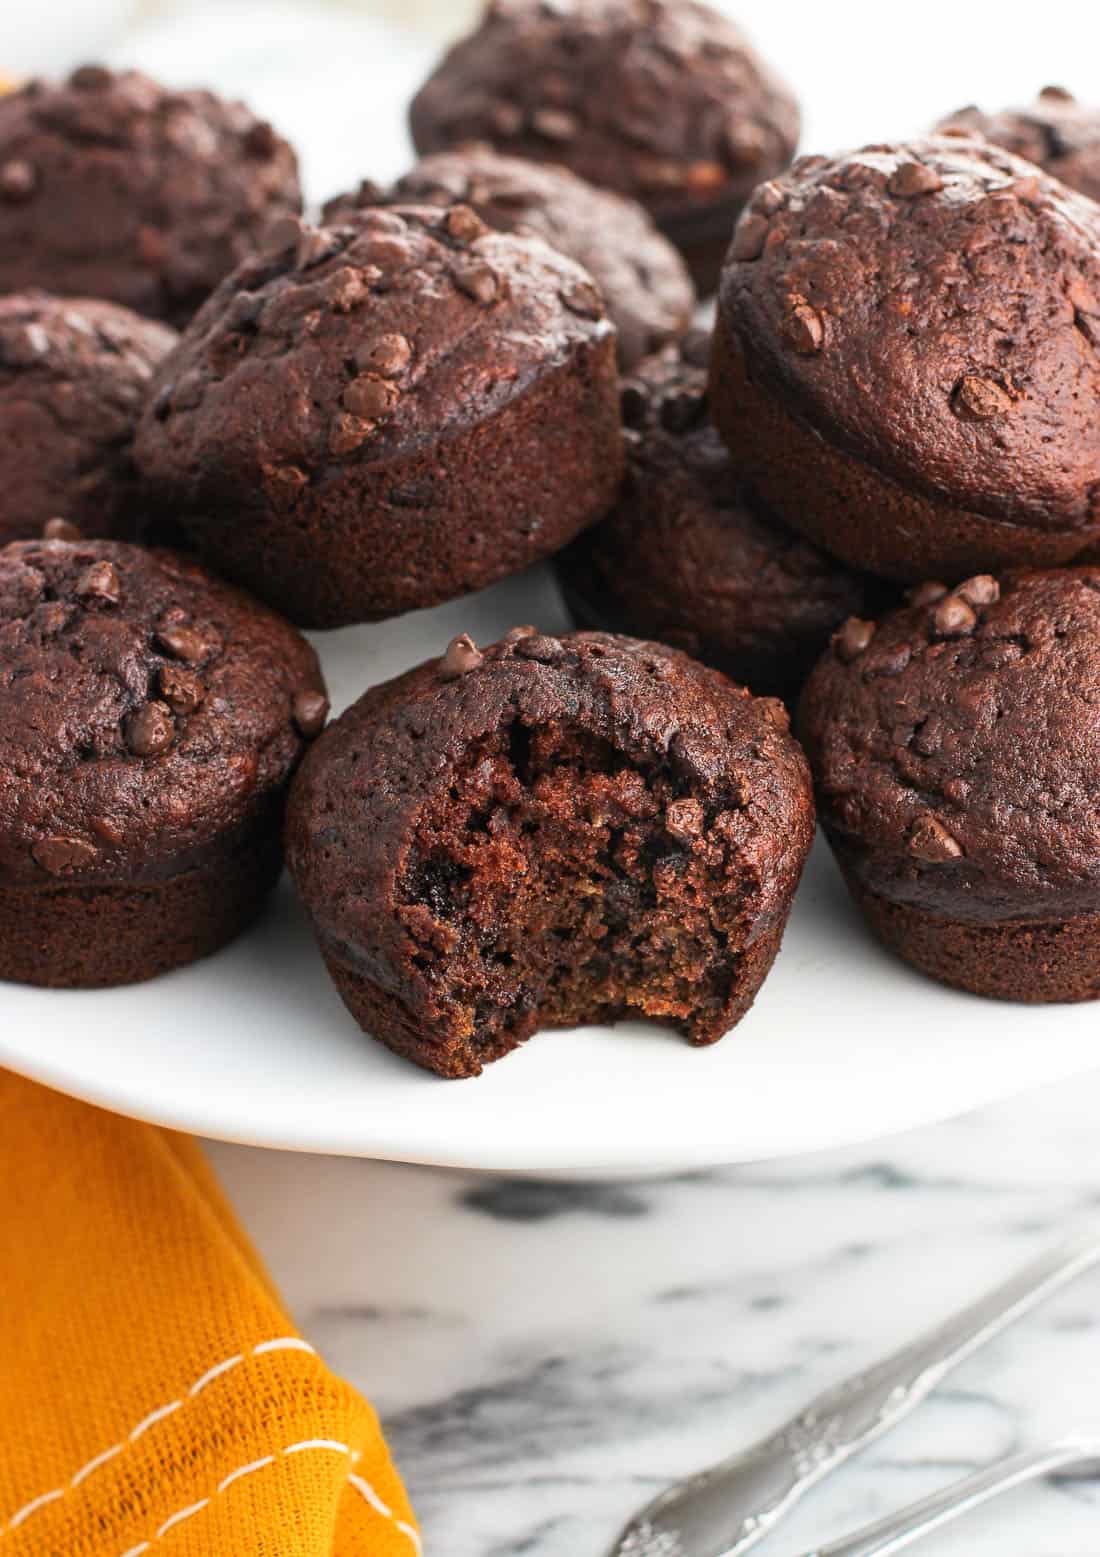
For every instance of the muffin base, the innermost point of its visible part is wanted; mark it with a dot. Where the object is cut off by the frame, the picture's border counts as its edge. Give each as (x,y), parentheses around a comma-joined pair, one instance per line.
(73,937)
(380,1016)
(1032,962)
(372,539)
(866,519)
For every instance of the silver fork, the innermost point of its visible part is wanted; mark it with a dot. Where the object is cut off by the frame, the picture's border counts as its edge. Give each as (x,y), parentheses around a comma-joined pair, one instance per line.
(723,1511)
(1076,1456)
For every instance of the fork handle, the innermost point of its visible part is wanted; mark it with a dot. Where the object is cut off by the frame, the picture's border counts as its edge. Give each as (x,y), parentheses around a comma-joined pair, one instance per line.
(897,1531)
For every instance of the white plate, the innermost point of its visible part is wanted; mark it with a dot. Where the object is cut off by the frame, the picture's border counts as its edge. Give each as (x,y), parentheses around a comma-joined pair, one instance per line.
(253,1045)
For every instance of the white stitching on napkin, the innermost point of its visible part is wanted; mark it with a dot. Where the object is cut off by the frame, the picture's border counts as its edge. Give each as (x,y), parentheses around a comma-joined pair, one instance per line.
(332,1445)
(279,1343)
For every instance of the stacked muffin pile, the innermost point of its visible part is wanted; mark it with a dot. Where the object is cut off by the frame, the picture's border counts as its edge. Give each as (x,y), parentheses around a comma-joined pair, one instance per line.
(492,363)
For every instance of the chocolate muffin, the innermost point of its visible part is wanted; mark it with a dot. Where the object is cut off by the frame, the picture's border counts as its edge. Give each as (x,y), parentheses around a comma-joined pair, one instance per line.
(956,748)
(546,832)
(150,718)
(688,556)
(661,100)
(73,379)
(904,359)
(1057,132)
(114,187)
(646,287)
(372,418)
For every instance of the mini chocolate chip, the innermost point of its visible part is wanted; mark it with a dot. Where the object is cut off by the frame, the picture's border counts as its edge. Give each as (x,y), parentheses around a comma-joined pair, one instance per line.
(1028,189)
(181,689)
(100,581)
(181,642)
(478,281)
(370,397)
(803,327)
(926,594)
(91,78)
(515,634)
(981,590)
(464,224)
(583,299)
(914,178)
(768,199)
(684,819)
(347,433)
(24,345)
(930,841)
(309,712)
(60,855)
(18,180)
(389,356)
(260,140)
(886,661)
(60,530)
(347,288)
(462,655)
(1057,94)
(852,639)
(556,124)
(541,647)
(979,399)
(953,618)
(748,238)
(284,482)
(150,730)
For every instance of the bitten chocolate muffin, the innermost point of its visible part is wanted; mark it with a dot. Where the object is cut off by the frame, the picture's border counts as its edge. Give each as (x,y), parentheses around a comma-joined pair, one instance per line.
(73,379)
(114,187)
(1057,132)
(372,418)
(956,748)
(646,287)
(150,718)
(662,100)
(546,832)
(905,364)
(687,556)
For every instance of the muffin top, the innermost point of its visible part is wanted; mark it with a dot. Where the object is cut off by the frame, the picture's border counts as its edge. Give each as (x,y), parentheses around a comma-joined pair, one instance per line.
(956,747)
(1056,132)
(363,342)
(691,554)
(662,99)
(145,709)
(932,308)
(113,186)
(644,281)
(364,786)
(74,374)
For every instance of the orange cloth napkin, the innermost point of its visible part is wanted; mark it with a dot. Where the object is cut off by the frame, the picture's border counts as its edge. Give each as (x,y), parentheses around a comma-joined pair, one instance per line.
(154,1396)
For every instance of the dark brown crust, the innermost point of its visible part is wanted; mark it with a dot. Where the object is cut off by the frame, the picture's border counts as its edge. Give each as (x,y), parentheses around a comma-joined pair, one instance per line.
(955,748)
(846,506)
(662,100)
(150,718)
(73,379)
(927,312)
(488,439)
(98,937)
(112,186)
(1033,962)
(1056,132)
(357,802)
(647,290)
(688,557)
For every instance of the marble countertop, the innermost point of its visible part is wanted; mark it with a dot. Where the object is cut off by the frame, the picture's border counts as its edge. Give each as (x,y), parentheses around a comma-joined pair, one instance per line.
(546,1355)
